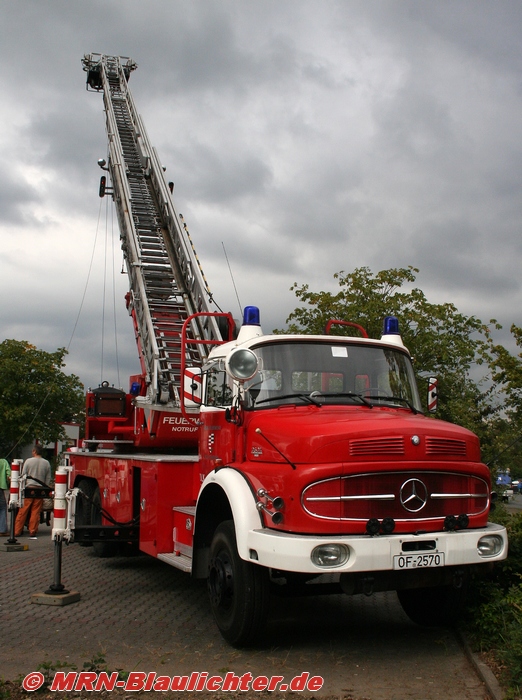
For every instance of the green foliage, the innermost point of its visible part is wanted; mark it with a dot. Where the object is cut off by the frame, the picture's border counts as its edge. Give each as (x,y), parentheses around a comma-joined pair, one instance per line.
(98,664)
(506,373)
(36,396)
(48,670)
(494,619)
(5,689)
(442,341)
(13,690)
(437,334)
(480,382)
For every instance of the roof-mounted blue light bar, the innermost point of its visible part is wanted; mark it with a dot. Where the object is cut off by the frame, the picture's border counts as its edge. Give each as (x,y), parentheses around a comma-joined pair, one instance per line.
(391,326)
(251,316)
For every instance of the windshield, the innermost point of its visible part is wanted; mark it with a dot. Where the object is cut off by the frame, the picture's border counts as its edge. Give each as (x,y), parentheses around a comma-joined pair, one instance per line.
(331,373)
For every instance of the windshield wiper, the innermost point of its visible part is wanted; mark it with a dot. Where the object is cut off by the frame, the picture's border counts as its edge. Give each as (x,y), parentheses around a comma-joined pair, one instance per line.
(348,394)
(314,395)
(400,399)
(304,397)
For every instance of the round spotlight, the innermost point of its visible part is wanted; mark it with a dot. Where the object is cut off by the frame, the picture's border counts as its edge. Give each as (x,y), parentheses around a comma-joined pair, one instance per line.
(462,521)
(388,526)
(450,523)
(373,526)
(241,364)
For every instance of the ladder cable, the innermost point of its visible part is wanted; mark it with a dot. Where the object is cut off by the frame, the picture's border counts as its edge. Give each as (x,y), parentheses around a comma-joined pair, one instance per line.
(232,277)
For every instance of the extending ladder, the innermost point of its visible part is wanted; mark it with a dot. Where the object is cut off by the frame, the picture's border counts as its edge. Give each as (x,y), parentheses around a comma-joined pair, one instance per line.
(166,282)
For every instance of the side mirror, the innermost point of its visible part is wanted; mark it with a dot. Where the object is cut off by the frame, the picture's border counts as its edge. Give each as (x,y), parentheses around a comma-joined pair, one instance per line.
(192,387)
(433,394)
(233,415)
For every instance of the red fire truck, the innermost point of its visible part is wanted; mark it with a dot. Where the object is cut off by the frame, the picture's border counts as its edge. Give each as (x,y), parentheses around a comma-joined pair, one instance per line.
(265,464)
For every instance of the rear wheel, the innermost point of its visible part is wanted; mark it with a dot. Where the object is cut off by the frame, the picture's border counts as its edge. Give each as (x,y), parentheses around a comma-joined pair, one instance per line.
(434,607)
(238,590)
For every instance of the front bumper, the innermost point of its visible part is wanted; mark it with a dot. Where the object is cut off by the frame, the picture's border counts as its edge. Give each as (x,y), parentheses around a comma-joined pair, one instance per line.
(288,552)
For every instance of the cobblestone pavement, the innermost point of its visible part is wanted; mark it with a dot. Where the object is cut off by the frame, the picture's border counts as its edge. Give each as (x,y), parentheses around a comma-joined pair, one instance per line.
(142,614)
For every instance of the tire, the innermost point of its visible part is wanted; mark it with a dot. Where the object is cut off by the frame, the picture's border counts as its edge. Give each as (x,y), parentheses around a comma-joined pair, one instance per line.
(434,607)
(238,590)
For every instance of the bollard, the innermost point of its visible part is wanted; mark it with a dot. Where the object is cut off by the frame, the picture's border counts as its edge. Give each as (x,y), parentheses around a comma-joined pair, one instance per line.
(56,593)
(59,529)
(57,586)
(12,544)
(60,504)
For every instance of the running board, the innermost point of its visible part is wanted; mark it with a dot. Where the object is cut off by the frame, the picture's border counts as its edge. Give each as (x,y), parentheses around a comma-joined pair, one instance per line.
(181,556)
(179,561)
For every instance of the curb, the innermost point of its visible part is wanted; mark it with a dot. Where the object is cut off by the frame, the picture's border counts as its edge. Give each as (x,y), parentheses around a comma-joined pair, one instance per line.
(484,672)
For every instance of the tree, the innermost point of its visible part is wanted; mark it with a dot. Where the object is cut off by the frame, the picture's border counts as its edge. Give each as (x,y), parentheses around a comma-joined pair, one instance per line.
(507,377)
(442,341)
(36,396)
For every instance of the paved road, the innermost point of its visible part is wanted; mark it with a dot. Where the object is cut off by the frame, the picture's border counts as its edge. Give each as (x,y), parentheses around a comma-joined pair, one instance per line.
(142,614)
(514,505)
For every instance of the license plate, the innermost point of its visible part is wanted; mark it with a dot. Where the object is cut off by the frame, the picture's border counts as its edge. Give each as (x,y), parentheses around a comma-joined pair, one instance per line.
(418,561)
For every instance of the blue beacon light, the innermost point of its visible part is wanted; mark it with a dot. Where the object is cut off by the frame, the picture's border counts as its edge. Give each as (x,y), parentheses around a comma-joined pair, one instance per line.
(251,316)
(391,326)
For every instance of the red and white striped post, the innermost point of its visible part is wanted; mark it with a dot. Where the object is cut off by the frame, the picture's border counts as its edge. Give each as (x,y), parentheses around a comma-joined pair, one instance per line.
(433,394)
(59,528)
(14,497)
(60,503)
(14,491)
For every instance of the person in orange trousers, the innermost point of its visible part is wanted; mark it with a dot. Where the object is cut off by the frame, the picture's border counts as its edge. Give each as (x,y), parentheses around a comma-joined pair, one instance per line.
(37,470)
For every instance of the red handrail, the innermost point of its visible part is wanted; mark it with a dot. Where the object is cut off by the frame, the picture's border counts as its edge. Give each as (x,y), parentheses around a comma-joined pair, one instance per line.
(337,322)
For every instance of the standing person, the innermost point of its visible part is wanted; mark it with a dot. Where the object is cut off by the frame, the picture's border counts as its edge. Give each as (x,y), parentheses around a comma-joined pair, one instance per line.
(36,467)
(5,475)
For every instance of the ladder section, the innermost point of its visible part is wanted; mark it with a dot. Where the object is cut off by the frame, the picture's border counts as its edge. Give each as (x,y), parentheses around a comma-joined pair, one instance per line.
(164,302)
(166,283)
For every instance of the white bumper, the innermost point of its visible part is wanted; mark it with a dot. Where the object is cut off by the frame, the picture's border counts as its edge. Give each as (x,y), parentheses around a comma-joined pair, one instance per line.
(278,550)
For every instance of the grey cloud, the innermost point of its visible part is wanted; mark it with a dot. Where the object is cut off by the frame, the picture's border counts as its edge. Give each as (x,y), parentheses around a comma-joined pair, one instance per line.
(16,198)
(308,137)
(214,174)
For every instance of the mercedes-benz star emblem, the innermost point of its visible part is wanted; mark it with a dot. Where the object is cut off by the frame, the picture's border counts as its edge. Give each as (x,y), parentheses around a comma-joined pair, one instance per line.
(414,495)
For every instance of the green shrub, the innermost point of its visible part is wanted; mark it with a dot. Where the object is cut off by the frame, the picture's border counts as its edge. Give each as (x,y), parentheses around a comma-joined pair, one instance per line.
(494,616)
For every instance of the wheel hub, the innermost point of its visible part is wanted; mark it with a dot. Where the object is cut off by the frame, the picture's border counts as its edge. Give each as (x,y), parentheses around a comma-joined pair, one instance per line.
(221,581)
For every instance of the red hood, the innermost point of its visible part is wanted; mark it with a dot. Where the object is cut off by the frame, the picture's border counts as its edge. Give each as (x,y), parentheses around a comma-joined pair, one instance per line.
(313,435)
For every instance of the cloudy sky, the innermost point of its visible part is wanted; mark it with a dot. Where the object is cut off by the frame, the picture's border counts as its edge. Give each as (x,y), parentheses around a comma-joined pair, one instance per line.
(304,137)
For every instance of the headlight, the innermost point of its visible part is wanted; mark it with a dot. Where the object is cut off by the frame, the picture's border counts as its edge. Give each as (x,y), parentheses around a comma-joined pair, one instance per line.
(330,555)
(490,545)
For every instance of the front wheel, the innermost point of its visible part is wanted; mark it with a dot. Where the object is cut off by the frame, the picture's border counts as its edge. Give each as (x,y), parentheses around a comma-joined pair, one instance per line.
(238,590)
(434,607)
